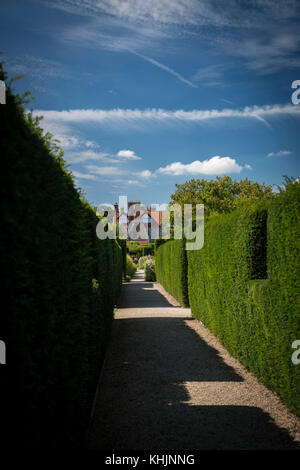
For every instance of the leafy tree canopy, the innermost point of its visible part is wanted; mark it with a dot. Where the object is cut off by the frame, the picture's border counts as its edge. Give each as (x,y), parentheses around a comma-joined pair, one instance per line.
(221,195)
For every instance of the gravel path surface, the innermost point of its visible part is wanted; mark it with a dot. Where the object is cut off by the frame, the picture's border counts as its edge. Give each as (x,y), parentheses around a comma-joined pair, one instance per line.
(167,383)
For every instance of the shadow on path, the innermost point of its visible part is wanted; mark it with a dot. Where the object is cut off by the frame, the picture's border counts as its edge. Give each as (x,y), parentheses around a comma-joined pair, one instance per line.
(140,294)
(143,402)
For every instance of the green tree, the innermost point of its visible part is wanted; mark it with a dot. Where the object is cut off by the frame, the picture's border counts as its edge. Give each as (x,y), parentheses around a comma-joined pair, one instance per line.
(221,195)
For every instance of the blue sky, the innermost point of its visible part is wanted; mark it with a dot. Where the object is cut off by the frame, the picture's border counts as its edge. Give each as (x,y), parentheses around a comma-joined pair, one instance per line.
(146,94)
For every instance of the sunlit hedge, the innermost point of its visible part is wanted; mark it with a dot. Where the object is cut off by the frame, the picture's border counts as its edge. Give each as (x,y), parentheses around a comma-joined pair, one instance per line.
(131,267)
(244,287)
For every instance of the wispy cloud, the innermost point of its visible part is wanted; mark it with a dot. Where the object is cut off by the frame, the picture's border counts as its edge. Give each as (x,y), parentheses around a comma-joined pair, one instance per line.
(37,67)
(265,31)
(266,55)
(82,156)
(227,101)
(131,117)
(120,41)
(105,170)
(214,166)
(165,68)
(281,153)
(116,172)
(211,75)
(183,12)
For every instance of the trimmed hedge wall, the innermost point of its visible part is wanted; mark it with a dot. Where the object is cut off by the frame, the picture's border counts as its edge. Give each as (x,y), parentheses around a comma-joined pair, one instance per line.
(58,290)
(171,269)
(244,286)
(139,250)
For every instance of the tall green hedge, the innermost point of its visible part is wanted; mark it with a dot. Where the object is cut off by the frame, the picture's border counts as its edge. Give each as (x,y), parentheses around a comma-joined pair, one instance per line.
(58,290)
(171,269)
(244,286)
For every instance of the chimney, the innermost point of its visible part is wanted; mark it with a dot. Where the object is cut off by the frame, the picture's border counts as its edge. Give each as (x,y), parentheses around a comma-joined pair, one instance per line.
(116,218)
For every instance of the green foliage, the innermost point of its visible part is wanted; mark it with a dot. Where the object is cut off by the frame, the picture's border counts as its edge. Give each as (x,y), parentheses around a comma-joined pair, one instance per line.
(139,249)
(134,248)
(171,269)
(149,270)
(130,267)
(58,290)
(222,195)
(256,319)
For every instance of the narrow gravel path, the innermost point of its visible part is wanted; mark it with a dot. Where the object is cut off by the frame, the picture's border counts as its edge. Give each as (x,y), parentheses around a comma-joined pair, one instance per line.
(167,383)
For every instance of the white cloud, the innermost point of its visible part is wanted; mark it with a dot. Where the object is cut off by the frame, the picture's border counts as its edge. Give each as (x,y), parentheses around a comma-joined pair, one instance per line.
(68,141)
(82,156)
(85,155)
(281,153)
(72,144)
(136,183)
(129,117)
(114,173)
(105,170)
(78,149)
(146,174)
(80,175)
(214,166)
(128,155)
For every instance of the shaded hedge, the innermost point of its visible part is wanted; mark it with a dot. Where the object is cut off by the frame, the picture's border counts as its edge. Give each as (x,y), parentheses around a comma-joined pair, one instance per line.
(244,286)
(171,268)
(58,290)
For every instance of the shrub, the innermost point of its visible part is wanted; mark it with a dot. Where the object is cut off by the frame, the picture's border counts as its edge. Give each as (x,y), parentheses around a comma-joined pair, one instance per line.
(171,268)
(143,260)
(58,291)
(130,267)
(149,270)
(244,287)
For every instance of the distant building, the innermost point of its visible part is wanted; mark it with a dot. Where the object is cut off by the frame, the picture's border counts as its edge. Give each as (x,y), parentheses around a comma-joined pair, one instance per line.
(152,219)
